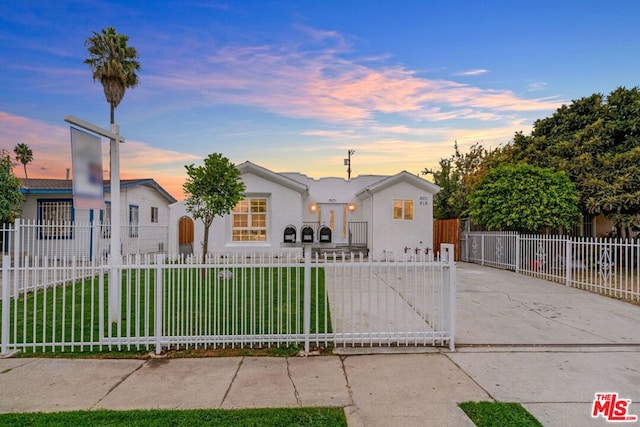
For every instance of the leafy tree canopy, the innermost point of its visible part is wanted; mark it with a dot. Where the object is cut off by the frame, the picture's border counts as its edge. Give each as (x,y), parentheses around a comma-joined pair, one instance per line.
(24,155)
(456,177)
(114,63)
(213,189)
(596,140)
(10,196)
(524,198)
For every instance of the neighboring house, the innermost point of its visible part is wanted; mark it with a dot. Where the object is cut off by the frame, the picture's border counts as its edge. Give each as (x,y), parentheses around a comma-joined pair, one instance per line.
(144,217)
(383,216)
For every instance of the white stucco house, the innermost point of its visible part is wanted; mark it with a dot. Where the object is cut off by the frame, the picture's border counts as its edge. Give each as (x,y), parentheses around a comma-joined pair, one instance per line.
(383,216)
(48,212)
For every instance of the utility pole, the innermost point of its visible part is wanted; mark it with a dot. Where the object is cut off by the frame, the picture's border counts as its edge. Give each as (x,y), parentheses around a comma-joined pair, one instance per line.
(347,163)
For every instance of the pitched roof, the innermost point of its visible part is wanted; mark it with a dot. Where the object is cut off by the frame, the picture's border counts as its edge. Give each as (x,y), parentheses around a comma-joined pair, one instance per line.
(65,186)
(405,176)
(248,167)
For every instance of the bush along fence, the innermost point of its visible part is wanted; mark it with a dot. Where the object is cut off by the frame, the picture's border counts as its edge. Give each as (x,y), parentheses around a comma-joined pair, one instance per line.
(231,300)
(607,266)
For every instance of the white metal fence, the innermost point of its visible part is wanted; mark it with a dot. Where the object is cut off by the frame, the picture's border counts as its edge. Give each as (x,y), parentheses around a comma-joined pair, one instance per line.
(607,266)
(63,241)
(231,300)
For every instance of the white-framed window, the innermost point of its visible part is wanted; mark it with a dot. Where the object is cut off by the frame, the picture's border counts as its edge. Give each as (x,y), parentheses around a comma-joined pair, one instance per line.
(134,220)
(249,220)
(55,217)
(154,214)
(403,209)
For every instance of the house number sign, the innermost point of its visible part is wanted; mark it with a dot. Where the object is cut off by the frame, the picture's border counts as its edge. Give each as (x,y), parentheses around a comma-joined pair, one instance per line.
(424,200)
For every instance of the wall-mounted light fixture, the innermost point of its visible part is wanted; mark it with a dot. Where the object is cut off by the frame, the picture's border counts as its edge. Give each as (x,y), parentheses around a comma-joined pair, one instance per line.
(313,207)
(352,207)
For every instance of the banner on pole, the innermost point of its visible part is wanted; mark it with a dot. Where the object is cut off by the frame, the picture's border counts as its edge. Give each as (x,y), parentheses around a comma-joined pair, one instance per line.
(86,158)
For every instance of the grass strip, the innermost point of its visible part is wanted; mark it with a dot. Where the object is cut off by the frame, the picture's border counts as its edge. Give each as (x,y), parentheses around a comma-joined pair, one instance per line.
(307,417)
(499,414)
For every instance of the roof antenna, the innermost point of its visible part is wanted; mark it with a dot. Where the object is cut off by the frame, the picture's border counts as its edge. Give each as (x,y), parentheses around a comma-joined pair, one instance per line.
(347,163)
(67,178)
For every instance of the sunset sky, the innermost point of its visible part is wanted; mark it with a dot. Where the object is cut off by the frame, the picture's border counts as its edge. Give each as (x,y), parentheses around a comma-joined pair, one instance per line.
(292,85)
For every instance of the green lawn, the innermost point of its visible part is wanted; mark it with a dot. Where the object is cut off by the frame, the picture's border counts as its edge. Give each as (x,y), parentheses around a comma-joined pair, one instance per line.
(256,301)
(307,417)
(499,414)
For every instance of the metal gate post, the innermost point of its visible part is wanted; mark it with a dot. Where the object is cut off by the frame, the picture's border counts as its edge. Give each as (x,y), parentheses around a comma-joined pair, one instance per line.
(307,298)
(449,291)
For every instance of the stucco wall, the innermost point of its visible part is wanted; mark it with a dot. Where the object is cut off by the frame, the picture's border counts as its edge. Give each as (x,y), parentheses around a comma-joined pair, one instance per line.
(390,236)
(284,207)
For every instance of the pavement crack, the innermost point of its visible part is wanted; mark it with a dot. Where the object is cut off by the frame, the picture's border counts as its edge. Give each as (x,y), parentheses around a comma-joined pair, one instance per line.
(117,384)
(295,390)
(492,397)
(235,374)
(346,379)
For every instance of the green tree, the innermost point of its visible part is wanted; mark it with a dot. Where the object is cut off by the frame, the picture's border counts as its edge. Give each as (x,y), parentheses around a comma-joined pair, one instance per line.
(596,141)
(113,63)
(524,198)
(24,155)
(212,190)
(10,196)
(456,177)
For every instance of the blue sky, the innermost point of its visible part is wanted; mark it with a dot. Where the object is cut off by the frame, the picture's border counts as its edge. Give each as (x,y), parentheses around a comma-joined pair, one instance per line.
(292,85)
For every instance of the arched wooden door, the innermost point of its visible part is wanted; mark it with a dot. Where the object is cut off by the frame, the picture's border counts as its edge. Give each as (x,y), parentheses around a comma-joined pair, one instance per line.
(185,235)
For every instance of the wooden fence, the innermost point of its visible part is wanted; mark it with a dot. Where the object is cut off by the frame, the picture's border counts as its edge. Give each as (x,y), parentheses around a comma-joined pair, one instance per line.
(447,231)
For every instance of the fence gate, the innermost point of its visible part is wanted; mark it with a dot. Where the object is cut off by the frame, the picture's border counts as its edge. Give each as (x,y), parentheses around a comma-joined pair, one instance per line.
(392,303)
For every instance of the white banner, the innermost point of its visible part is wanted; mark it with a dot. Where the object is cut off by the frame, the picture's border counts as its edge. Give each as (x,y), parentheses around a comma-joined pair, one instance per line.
(86,156)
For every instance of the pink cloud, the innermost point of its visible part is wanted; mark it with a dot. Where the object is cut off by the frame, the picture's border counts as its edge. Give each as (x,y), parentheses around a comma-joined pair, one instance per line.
(52,154)
(320,81)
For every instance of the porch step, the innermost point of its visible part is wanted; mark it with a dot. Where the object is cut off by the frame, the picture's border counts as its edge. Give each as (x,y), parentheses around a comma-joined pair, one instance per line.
(344,251)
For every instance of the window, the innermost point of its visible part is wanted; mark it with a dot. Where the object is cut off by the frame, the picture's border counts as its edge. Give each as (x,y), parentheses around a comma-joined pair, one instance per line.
(105,220)
(249,221)
(154,214)
(134,220)
(403,209)
(55,217)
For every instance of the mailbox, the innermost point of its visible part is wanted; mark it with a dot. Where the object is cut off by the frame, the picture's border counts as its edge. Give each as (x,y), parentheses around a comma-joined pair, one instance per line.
(306,234)
(290,234)
(324,234)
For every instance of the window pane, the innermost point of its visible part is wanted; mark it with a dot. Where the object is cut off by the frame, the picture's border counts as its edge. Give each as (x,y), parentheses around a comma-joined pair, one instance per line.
(408,209)
(259,205)
(242,206)
(259,220)
(397,209)
(240,220)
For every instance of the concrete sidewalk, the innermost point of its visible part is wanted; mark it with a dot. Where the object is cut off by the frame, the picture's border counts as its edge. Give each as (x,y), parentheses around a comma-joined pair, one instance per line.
(519,340)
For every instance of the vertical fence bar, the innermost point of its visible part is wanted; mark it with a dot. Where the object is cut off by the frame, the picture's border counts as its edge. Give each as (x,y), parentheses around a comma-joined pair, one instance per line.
(516,257)
(307,299)
(158,309)
(6,304)
(568,261)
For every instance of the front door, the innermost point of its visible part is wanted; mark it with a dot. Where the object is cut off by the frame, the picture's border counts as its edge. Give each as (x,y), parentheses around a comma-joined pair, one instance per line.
(333,216)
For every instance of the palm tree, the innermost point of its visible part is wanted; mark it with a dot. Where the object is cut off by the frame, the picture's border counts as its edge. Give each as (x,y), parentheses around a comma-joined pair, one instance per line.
(113,63)
(24,155)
